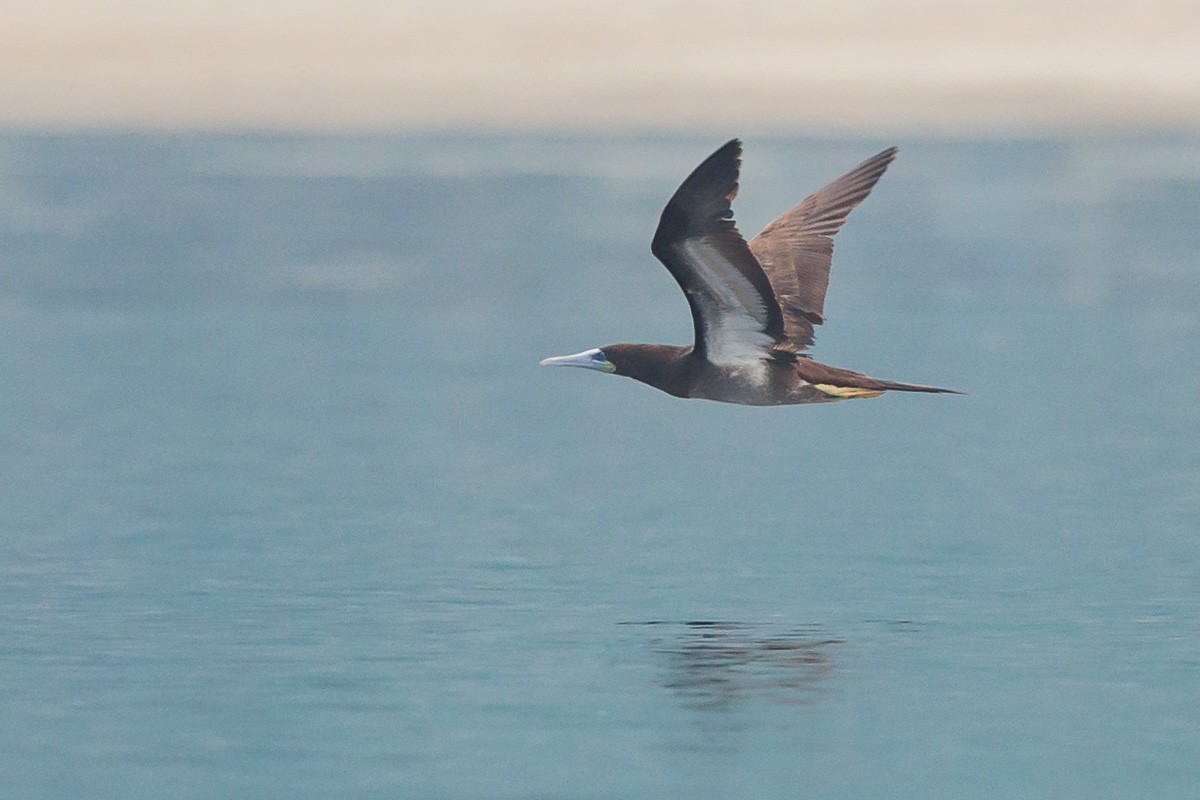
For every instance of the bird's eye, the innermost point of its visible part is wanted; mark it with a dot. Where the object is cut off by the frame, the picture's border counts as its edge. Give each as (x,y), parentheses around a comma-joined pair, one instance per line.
(599,356)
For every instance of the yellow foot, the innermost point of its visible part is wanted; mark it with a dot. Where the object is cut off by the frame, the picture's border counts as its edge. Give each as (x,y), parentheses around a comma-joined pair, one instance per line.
(847,391)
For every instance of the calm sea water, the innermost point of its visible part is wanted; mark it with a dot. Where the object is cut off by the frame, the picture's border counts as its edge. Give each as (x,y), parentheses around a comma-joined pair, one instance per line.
(288,509)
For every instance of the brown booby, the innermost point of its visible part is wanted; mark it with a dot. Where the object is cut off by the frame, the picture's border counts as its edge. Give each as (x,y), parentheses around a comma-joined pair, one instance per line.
(753,304)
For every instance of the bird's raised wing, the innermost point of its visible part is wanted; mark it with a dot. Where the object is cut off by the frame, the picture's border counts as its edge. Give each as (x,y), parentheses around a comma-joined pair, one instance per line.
(734,309)
(796,249)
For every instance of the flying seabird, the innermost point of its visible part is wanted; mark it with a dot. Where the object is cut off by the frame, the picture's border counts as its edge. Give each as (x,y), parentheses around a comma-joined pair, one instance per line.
(754,305)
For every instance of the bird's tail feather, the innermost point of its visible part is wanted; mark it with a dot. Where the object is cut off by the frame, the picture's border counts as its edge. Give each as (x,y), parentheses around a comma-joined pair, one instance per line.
(875,387)
(895,386)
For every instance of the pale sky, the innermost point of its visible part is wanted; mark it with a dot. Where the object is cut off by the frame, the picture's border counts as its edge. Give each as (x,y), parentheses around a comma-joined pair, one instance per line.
(973,66)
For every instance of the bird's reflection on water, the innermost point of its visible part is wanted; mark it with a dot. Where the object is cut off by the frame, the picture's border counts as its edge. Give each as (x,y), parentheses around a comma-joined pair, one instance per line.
(714,665)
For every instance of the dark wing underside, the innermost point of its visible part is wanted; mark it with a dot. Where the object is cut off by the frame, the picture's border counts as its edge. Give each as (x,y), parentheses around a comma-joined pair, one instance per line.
(796,249)
(736,315)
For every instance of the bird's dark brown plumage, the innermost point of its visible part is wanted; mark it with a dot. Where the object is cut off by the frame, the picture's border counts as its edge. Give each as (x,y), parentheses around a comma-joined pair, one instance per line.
(796,250)
(753,304)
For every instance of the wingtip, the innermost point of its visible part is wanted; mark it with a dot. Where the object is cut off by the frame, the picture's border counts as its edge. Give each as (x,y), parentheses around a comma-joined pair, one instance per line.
(734,146)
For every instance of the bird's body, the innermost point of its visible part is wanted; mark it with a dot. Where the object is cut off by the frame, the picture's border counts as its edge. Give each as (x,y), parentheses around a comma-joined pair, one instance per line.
(753,304)
(786,379)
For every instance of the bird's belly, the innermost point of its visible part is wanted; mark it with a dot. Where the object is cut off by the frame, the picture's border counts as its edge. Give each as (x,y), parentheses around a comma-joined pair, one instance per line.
(768,386)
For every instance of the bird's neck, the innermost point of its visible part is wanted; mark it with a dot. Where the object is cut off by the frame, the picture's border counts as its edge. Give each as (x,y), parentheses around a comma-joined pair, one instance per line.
(663,366)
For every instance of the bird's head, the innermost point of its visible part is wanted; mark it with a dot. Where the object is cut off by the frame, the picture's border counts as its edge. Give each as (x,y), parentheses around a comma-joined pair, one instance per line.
(663,366)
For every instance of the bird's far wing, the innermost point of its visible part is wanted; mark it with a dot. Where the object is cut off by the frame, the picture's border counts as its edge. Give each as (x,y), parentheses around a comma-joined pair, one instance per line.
(796,249)
(736,315)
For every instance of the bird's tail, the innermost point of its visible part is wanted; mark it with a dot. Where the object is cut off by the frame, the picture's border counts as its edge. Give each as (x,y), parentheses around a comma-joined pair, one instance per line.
(894,386)
(844,383)
(874,387)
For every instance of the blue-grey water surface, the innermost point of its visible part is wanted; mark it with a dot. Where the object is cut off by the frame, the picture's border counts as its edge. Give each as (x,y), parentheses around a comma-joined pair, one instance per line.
(289,510)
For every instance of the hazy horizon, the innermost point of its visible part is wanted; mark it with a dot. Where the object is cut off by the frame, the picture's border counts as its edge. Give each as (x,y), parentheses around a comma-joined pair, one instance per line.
(927,66)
